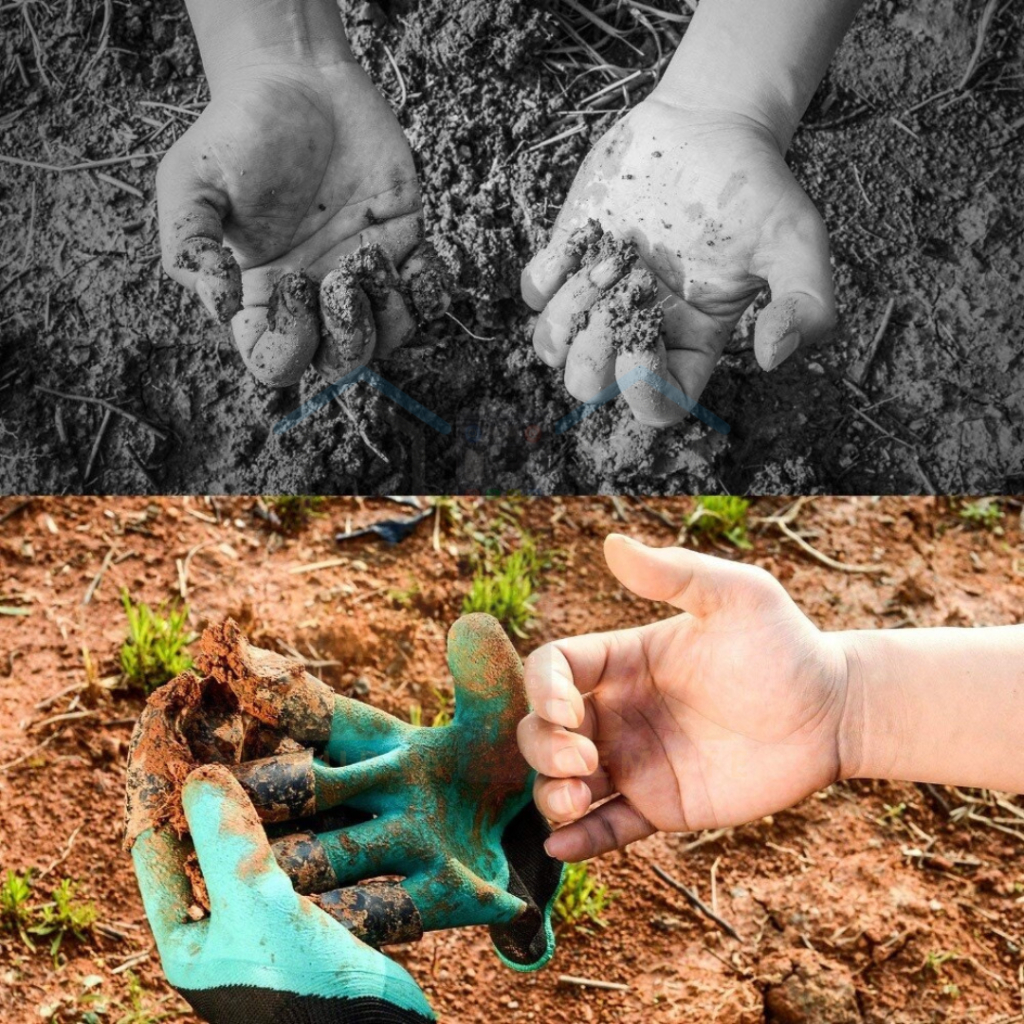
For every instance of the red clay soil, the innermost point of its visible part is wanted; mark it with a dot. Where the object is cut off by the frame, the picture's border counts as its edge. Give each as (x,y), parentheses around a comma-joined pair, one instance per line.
(837,921)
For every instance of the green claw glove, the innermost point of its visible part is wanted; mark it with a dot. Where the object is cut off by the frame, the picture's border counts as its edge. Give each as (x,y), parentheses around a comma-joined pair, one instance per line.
(452,808)
(264,955)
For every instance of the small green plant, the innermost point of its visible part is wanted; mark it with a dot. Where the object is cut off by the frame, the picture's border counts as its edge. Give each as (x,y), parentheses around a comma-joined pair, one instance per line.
(720,517)
(291,513)
(154,650)
(892,812)
(506,589)
(15,912)
(985,512)
(63,916)
(405,597)
(581,897)
(937,959)
(55,920)
(442,716)
(136,1012)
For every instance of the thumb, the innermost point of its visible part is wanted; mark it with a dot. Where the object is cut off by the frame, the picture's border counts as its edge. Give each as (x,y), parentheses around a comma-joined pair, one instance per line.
(233,850)
(803,306)
(191,213)
(487,673)
(696,583)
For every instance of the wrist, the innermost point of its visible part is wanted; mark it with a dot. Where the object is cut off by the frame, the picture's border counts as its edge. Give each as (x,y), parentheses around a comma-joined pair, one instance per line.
(761,61)
(237,37)
(870,724)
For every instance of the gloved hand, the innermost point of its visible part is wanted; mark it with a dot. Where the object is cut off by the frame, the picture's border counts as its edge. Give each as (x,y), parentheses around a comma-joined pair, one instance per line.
(452,804)
(452,808)
(265,955)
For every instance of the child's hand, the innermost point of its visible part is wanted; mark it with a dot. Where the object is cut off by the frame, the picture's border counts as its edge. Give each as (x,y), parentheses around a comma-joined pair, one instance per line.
(707,719)
(716,214)
(291,166)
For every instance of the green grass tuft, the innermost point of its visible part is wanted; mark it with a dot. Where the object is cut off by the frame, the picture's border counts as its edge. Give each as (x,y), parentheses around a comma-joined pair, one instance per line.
(62,916)
(985,512)
(15,912)
(581,898)
(442,716)
(154,651)
(721,517)
(505,588)
(291,513)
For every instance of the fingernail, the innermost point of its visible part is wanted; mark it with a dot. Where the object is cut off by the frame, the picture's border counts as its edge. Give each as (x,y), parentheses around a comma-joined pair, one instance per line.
(561,802)
(560,712)
(569,761)
(627,540)
(786,347)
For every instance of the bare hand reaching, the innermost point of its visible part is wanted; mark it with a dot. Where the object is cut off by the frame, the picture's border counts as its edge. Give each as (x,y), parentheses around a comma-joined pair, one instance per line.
(710,718)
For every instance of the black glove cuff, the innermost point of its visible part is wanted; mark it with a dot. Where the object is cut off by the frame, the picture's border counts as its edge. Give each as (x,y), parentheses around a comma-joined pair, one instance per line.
(534,877)
(245,1004)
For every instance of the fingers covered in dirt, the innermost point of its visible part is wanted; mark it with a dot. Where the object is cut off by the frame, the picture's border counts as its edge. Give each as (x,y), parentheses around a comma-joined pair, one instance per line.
(603,317)
(363,309)
(606,318)
(191,235)
(278,342)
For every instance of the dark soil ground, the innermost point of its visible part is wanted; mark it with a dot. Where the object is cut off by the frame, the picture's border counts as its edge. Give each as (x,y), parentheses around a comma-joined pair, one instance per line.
(839,920)
(919,182)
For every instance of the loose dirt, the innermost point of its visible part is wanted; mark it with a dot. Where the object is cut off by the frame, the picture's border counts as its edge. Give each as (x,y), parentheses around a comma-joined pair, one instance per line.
(839,918)
(918,181)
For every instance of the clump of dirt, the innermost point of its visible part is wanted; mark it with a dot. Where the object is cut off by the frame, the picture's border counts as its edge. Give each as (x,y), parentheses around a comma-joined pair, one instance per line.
(229,713)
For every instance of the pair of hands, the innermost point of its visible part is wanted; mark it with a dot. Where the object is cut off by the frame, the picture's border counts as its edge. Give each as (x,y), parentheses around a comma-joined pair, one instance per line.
(296,166)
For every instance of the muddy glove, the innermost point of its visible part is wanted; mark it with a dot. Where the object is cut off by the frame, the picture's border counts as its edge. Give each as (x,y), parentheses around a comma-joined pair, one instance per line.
(264,955)
(452,810)
(449,808)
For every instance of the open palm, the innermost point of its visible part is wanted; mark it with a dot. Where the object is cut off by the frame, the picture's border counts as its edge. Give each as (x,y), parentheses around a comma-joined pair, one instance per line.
(706,719)
(715,214)
(292,168)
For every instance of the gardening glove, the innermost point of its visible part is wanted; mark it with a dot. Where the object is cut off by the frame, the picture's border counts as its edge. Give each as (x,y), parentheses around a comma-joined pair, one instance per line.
(676,221)
(452,806)
(292,208)
(264,954)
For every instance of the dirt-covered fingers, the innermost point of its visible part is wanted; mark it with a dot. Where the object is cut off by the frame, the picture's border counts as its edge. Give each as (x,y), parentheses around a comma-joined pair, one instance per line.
(549,269)
(191,216)
(608,328)
(694,341)
(799,273)
(603,264)
(278,341)
(556,751)
(369,309)
(642,370)
(428,282)
(563,800)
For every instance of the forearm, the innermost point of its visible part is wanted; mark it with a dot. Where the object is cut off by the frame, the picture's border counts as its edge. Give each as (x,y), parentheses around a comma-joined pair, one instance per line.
(759,58)
(935,705)
(236,34)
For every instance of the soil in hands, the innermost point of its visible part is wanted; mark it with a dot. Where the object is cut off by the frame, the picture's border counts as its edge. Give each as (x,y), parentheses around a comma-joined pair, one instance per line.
(918,181)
